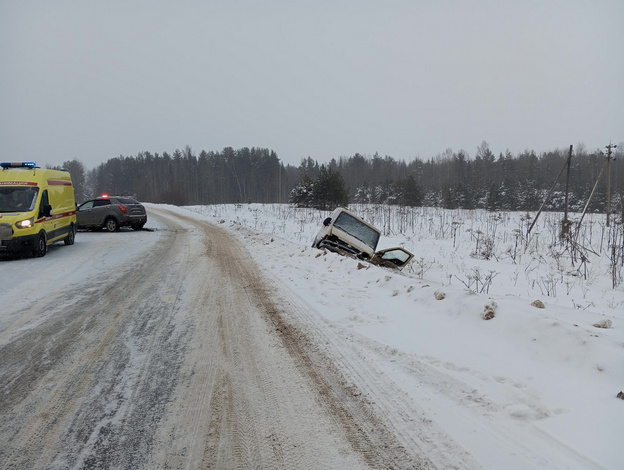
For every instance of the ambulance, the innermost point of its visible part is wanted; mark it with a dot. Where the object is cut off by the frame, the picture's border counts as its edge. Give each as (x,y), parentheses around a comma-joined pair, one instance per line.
(37,208)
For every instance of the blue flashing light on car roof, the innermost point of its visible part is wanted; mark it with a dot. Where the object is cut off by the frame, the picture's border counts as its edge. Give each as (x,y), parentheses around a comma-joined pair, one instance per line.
(18,165)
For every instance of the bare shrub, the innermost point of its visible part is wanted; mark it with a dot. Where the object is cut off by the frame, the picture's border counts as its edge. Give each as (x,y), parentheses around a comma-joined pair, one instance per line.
(422,266)
(480,281)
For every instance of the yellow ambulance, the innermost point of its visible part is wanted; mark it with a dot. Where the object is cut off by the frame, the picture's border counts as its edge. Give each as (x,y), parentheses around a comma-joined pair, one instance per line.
(37,208)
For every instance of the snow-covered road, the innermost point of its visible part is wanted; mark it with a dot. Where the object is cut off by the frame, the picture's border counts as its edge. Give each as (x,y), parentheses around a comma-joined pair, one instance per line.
(167,349)
(204,342)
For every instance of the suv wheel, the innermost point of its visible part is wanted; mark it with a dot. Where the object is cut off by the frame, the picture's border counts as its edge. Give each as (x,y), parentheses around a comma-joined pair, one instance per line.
(111,225)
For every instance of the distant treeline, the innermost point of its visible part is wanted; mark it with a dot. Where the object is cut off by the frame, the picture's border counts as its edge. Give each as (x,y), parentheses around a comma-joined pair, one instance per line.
(451,179)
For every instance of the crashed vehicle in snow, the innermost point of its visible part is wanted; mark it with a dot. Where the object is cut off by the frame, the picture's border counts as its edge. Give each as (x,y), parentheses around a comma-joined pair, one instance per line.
(347,234)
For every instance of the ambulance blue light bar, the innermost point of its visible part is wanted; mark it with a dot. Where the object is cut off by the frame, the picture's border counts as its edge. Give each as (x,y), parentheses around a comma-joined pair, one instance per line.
(18,165)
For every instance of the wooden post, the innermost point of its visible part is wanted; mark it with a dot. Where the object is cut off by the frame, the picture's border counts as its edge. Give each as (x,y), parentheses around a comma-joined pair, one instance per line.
(609,148)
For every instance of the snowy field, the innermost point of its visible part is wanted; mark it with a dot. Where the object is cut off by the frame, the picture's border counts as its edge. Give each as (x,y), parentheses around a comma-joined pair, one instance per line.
(535,386)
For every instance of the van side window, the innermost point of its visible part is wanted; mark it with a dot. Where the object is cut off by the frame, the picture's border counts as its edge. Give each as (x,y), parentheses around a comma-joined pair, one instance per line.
(44,202)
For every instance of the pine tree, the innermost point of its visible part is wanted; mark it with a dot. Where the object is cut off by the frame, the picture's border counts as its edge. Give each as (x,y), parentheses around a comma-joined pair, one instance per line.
(77,171)
(449,199)
(301,195)
(493,200)
(411,195)
(329,190)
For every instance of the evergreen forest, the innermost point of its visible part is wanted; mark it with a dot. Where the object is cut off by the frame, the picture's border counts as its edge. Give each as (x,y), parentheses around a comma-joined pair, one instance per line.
(450,180)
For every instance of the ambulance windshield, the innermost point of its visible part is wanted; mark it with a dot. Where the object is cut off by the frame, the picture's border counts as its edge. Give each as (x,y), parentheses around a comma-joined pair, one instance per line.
(18,198)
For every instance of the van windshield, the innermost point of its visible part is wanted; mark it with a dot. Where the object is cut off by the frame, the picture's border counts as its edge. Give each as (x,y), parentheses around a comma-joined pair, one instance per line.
(18,198)
(357,229)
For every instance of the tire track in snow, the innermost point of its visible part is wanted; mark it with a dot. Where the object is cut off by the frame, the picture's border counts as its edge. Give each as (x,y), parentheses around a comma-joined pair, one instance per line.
(59,397)
(367,435)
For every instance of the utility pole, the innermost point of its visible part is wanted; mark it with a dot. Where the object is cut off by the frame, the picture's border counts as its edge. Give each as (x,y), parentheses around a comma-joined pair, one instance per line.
(565,226)
(279,182)
(609,147)
(552,188)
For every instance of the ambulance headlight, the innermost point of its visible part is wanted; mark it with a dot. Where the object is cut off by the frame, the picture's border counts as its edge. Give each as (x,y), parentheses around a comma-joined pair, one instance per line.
(25,223)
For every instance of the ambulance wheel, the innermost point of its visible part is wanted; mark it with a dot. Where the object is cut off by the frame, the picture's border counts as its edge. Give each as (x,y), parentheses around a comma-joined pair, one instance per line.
(111,225)
(42,246)
(71,236)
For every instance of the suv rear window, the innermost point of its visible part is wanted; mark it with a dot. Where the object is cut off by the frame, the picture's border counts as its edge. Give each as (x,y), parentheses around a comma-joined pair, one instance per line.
(127,200)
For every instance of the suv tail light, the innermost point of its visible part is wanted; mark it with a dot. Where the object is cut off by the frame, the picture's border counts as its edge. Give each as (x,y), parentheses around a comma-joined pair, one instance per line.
(123,209)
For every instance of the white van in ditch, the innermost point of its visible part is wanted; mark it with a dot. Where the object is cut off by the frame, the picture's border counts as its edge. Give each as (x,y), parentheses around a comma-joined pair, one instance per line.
(347,234)
(37,208)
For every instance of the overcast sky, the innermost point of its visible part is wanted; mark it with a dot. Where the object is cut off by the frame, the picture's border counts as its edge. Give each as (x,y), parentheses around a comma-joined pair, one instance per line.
(97,79)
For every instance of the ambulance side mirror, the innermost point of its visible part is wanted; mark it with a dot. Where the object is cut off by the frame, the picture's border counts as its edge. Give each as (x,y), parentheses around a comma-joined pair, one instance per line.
(47,210)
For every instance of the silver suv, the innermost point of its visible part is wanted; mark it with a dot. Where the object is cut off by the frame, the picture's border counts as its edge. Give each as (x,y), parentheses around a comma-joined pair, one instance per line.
(111,212)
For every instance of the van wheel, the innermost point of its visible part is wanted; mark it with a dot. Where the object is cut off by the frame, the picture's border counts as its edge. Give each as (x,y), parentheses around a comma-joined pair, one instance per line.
(42,246)
(111,225)
(71,236)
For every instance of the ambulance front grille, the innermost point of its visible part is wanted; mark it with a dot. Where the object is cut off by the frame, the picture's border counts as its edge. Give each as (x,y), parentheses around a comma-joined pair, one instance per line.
(6,232)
